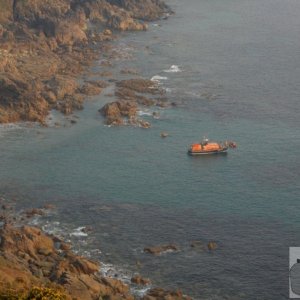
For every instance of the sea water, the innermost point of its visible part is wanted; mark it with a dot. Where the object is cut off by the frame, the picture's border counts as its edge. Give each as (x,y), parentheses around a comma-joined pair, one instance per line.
(233,69)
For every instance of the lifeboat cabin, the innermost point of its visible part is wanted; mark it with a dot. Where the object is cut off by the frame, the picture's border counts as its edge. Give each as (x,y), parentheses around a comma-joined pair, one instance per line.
(207,147)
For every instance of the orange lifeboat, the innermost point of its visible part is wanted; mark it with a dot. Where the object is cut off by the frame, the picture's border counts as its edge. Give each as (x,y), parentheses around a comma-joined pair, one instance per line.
(206,147)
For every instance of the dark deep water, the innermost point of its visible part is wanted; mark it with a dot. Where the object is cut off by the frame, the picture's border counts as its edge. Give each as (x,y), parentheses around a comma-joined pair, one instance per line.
(239,80)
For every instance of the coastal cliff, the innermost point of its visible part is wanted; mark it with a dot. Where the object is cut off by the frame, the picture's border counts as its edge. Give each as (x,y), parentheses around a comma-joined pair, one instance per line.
(36,265)
(45,45)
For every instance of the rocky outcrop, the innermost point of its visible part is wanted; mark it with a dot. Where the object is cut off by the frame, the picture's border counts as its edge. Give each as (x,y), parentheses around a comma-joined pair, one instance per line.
(140,85)
(45,44)
(92,88)
(133,93)
(116,111)
(145,10)
(30,257)
(33,262)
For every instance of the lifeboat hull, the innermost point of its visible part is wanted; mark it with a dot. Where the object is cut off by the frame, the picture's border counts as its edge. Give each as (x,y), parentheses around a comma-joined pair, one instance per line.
(207,152)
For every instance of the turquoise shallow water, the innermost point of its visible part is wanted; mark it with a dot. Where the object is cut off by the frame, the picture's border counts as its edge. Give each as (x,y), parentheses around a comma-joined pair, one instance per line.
(239,81)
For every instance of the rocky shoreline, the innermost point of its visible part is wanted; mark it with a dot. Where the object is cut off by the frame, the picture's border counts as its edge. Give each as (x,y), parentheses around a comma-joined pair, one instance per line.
(44,48)
(46,45)
(34,262)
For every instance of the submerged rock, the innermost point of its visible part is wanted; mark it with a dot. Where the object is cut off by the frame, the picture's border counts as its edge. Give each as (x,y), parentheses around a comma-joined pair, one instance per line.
(212,246)
(160,294)
(157,250)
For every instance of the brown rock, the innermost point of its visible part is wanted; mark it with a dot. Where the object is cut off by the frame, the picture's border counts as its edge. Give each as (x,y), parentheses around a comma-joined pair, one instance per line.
(161,294)
(212,246)
(144,124)
(35,211)
(116,285)
(62,86)
(137,279)
(157,250)
(116,111)
(107,32)
(65,246)
(125,93)
(111,111)
(44,251)
(140,85)
(90,89)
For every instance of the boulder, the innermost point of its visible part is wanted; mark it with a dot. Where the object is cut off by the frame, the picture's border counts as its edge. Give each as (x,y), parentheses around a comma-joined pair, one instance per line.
(139,280)
(116,111)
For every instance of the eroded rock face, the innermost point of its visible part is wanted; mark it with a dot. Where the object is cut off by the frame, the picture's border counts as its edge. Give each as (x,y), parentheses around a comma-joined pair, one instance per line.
(43,39)
(30,257)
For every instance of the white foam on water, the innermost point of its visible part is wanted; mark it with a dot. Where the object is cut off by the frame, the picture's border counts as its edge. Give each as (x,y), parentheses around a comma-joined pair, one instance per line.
(53,228)
(173,69)
(78,232)
(144,113)
(111,271)
(158,78)
(107,270)
(35,220)
(140,292)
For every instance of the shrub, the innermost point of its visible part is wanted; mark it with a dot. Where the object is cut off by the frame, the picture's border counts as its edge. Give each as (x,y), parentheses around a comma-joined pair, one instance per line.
(36,293)
(43,293)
